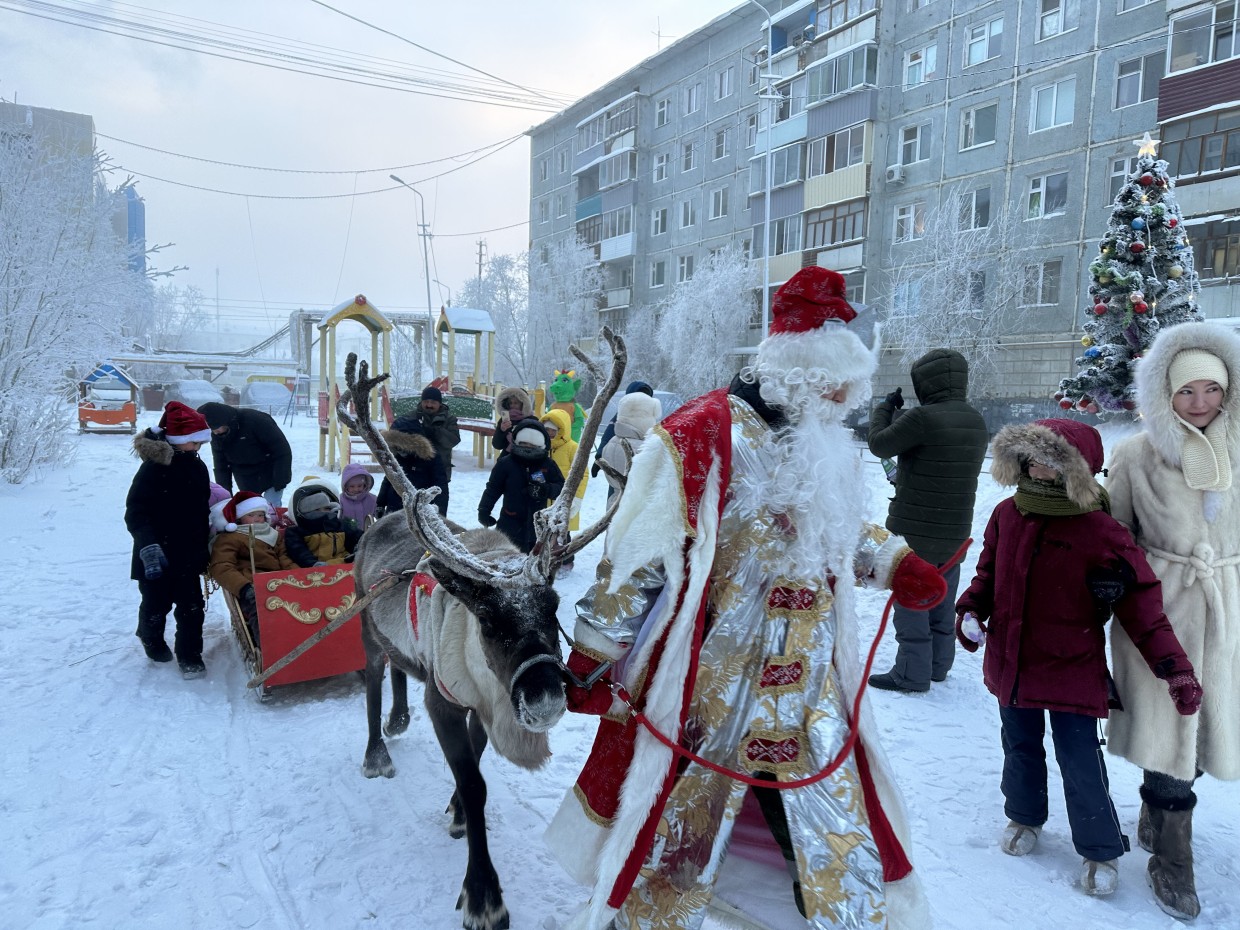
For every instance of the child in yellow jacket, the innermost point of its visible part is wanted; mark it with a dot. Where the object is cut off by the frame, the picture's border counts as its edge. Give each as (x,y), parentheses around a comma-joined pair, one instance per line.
(563,450)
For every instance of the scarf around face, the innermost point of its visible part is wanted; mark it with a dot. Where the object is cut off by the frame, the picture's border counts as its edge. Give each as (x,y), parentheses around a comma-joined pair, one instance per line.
(1050,499)
(1204,457)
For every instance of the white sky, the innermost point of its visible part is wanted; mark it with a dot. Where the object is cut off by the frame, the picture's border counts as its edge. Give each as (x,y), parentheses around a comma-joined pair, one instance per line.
(275,255)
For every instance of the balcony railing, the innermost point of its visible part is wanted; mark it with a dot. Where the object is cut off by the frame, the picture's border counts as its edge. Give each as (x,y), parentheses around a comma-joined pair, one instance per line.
(617,297)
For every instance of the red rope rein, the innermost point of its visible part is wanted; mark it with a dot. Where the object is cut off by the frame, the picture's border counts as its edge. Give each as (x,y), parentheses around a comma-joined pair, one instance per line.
(853,726)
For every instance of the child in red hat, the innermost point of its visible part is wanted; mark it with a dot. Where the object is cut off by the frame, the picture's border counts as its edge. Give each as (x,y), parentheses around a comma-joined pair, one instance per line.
(248,545)
(166,513)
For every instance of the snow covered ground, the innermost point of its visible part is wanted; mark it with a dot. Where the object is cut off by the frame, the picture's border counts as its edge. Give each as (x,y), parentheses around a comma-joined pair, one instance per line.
(130,798)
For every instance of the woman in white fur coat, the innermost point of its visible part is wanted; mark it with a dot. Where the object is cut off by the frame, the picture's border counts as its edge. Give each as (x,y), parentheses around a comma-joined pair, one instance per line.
(1175,486)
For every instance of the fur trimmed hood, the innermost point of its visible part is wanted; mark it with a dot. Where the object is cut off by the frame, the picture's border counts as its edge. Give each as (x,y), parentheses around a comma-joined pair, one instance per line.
(1071,447)
(410,444)
(513,392)
(150,446)
(1164,429)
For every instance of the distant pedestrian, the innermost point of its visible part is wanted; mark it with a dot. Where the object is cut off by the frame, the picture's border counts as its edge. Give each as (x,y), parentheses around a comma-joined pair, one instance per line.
(440,427)
(249,447)
(417,459)
(166,512)
(939,447)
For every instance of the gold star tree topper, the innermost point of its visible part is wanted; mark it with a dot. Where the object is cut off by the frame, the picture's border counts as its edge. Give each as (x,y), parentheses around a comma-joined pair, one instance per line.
(1146,145)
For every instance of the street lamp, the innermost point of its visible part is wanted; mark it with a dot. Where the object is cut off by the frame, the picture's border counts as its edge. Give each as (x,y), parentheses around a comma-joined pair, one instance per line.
(446,288)
(767,94)
(424,234)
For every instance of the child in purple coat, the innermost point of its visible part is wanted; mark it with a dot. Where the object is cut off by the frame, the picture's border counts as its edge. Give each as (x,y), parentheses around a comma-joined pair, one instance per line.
(357,502)
(1054,567)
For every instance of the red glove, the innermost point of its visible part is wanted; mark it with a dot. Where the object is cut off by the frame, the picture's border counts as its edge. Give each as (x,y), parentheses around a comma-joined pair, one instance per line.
(1186,692)
(968,627)
(917,584)
(594,700)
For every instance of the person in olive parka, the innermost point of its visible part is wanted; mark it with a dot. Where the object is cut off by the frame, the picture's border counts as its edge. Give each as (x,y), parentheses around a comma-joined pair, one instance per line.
(939,447)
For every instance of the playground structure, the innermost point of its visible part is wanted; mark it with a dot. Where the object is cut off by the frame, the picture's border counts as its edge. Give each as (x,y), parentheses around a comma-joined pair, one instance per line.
(107,401)
(337,446)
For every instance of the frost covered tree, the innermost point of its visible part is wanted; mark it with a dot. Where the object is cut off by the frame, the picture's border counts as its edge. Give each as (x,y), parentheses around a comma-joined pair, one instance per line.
(565,293)
(1143,280)
(960,285)
(66,286)
(705,320)
(503,291)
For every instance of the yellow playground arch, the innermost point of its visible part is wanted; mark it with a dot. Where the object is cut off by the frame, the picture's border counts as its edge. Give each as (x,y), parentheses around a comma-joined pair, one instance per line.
(337,446)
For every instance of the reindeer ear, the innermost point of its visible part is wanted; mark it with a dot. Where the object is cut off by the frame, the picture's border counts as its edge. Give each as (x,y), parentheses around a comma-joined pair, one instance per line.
(466,590)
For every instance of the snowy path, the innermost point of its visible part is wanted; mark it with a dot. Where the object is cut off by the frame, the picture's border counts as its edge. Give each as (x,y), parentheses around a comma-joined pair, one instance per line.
(132,799)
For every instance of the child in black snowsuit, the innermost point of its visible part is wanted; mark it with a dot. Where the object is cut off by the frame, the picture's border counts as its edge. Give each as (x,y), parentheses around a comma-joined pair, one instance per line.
(526,478)
(166,512)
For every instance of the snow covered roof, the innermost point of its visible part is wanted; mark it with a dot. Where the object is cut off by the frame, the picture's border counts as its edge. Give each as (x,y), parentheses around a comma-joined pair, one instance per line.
(107,371)
(466,320)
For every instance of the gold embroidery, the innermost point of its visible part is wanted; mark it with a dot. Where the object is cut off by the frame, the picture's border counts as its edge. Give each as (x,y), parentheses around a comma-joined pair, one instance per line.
(313,580)
(786,752)
(663,434)
(588,810)
(295,610)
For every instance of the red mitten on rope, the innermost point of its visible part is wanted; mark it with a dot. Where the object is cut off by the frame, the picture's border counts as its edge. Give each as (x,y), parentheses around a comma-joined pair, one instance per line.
(596,699)
(1186,692)
(916,584)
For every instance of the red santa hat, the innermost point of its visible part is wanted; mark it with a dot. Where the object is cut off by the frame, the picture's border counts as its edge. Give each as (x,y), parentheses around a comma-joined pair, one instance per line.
(809,329)
(242,502)
(183,424)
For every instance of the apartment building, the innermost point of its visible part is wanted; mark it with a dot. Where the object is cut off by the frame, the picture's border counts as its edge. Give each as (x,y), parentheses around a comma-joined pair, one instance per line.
(856,121)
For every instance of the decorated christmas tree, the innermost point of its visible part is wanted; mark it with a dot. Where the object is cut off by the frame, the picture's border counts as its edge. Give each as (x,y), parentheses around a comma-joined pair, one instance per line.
(1143,280)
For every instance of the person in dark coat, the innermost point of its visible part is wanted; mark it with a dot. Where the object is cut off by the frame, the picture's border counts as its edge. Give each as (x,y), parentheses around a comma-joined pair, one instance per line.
(250,447)
(167,512)
(1054,566)
(512,406)
(939,447)
(418,460)
(439,426)
(526,479)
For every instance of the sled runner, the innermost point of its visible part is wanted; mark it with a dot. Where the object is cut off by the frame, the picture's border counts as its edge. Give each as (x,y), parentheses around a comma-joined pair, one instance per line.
(293,605)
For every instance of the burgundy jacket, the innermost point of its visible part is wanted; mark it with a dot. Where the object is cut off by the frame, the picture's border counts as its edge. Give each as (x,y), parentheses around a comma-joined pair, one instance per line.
(1046,646)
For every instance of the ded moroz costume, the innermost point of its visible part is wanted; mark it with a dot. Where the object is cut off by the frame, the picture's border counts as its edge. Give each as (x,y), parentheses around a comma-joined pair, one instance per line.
(732,629)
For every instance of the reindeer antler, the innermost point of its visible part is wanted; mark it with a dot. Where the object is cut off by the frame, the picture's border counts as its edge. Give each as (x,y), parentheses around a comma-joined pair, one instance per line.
(553,522)
(425,523)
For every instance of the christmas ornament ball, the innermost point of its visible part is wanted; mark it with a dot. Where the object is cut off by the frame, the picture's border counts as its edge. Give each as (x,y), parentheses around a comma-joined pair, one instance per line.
(1093,352)
(1136,297)
(1140,306)
(1091,408)
(1173,222)
(1087,341)
(1146,179)
(1104,279)
(1138,223)
(1066,404)
(1137,247)
(1100,309)
(1175,271)
(1083,403)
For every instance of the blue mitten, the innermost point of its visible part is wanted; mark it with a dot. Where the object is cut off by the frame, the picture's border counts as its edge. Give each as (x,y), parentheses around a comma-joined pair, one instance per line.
(153,561)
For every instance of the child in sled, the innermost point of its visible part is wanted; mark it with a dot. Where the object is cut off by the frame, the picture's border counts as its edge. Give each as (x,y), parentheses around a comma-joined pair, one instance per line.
(249,544)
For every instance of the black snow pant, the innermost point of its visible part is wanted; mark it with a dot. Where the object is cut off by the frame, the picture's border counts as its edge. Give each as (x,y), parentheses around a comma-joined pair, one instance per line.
(158,597)
(1095,826)
(926,638)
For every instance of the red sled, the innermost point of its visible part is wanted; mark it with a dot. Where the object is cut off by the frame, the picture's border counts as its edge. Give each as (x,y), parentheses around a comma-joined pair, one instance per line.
(293,605)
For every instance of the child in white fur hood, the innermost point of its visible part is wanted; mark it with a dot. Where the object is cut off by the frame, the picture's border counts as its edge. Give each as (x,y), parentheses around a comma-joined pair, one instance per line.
(636,417)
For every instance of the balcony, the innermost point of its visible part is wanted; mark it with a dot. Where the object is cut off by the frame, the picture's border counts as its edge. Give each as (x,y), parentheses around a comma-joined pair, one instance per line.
(616,247)
(591,206)
(617,297)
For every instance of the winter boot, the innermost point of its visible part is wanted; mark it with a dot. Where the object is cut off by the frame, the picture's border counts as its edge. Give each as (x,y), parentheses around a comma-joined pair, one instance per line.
(1170,869)
(151,632)
(1019,839)
(1099,878)
(1145,829)
(191,667)
(157,650)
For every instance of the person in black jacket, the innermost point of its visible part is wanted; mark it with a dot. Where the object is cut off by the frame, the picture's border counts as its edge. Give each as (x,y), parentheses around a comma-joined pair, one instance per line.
(440,427)
(167,512)
(939,447)
(513,406)
(418,460)
(526,479)
(249,445)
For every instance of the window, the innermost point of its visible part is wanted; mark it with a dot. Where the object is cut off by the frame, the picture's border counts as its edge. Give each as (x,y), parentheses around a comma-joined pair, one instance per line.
(721,144)
(910,221)
(1056,17)
(723,82)
(918,4)
(837,12)
(561,205)
(1121,169)
(688,157)
(658,221)
(660,113)
(658,273)
(660,167)
(718,203)
(836,151)
(622,117)
(906,298)
(914,144)
(1053,105)
(786,234)
(1210,142)
(544,168)
(841,73)
(977,126)
(688,214)
(1042,284)
(1048,196)
(751,131)
(563,160)
(1126,5)
(590,231)
(693,99)
(544,212)
(975,209)
(977,286)
(684,268)
(919,66)
(1216,249)
(841,222)
(786,165)
(983,42)
(591,134)
(616,169)
(1137,80)
(618,222)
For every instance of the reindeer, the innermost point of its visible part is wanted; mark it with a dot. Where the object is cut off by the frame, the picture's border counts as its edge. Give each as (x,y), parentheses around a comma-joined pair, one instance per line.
(486,649)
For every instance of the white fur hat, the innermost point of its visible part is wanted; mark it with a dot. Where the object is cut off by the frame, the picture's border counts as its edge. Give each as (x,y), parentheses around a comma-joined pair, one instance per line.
(640,411)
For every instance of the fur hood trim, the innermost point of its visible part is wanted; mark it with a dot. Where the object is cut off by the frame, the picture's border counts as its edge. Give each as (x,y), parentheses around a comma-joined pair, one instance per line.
(1153,382)
(150,446)
(1072,448)
(513,392)
(409,444)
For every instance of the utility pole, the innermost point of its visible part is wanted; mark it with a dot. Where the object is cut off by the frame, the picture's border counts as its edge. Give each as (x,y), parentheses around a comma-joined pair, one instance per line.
(424,234)
(217,300)
(482,244)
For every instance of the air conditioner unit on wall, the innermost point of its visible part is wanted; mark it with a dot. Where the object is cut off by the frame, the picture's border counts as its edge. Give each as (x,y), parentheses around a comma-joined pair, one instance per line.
(895,174)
